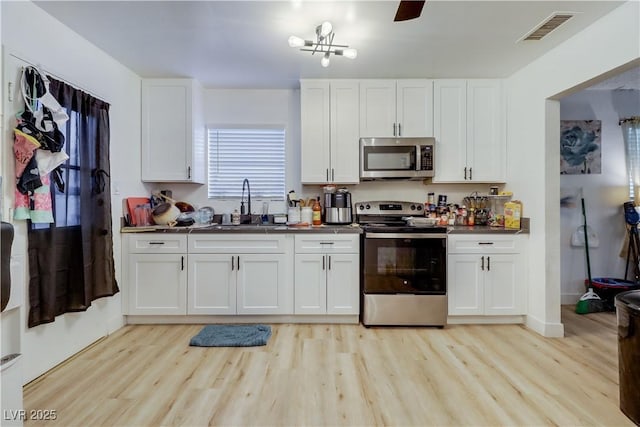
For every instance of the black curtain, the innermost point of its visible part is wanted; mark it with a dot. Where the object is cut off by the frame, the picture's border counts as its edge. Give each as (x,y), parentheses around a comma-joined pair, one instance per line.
(71,261)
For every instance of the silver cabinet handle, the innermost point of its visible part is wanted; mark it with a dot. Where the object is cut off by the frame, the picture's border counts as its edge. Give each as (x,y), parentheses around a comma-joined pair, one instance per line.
(394,129)
(333,175)
(465,173)
(232,263)
(323,266)
(327,243)
(156,243)
(329,262)
(482,267)
(238,262)
(399,130)
(327,174)
(470,173)
(488,263)
(485,243)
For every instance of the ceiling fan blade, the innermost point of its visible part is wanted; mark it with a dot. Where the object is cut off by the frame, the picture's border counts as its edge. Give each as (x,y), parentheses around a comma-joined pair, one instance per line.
(409,9)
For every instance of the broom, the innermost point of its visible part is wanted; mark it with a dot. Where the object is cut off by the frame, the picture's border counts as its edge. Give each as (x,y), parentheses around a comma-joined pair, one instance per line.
(590,302)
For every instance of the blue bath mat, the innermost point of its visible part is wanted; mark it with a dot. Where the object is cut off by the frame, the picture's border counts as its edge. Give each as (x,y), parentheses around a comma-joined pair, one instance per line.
(232,336)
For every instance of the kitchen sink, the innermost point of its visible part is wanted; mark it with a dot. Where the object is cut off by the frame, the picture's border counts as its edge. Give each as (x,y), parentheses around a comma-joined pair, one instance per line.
(228,227)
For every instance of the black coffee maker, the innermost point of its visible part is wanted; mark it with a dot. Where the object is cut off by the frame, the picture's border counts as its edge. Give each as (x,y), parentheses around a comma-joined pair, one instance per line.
(337,207)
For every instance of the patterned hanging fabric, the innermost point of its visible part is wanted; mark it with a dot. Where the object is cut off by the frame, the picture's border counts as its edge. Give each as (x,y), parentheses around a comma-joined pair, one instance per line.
(38,144)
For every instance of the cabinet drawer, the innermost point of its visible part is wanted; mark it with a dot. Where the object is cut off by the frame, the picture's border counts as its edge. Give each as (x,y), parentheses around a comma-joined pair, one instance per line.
(155,243)
(327,243)
(484,244)
(237,243)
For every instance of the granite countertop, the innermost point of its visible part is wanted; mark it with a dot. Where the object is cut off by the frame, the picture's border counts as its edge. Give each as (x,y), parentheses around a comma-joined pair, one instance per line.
(324,228)
(485,229)
(248,228)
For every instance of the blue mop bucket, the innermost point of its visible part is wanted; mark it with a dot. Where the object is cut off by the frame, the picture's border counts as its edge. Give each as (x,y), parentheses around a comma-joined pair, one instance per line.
(607,289)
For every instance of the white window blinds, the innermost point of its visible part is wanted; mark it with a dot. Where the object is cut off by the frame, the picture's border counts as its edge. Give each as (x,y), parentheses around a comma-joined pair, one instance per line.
(631,134)
(255,154)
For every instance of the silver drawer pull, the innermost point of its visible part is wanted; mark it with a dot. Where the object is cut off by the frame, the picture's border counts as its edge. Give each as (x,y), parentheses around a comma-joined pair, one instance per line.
(485,243)
(156,243)
(327,243)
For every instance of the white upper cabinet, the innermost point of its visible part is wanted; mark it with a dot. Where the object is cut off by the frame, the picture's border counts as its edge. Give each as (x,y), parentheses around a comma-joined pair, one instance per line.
(396,108)
(469,127)
(173,131)
(329,129)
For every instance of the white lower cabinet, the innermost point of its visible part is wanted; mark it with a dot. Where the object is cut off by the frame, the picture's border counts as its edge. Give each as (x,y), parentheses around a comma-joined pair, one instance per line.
(327,274)
(157,274)
(240,274)
(487,275)
(212,284)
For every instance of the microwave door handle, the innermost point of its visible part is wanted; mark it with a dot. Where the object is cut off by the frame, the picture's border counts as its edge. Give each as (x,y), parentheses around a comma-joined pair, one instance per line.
(418,158)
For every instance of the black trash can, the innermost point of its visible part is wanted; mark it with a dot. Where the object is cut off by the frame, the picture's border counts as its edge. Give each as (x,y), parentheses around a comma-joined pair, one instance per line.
(628,315)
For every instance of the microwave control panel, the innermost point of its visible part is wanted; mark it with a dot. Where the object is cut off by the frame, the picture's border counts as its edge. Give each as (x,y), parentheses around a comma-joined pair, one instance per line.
(426,158)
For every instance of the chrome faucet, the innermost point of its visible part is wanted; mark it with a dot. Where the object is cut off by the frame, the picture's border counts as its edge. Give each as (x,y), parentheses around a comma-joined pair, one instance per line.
(245,182)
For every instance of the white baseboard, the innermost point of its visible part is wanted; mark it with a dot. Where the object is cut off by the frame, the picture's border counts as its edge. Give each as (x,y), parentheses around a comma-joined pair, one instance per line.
(484,320)
(205,319)
(550,330)
(115,323)
(570,299)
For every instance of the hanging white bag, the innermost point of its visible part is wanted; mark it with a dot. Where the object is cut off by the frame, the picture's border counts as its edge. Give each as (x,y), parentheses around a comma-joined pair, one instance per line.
(577,238)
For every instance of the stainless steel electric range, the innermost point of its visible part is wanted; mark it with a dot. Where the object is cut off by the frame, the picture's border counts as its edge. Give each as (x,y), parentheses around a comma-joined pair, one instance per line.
(403,268)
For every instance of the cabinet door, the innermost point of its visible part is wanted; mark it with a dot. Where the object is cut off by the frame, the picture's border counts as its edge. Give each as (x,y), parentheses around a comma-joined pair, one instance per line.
(450,130)
(464,284)
(503,285)
(212,284)
(167,130)
(414,107)
(264,284)
(343,284)
(345,132)
(310,284)
(486,142)
(315,131)
(378,108)
(157,284)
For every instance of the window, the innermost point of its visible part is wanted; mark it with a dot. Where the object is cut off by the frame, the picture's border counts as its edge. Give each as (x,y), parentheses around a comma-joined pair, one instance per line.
(631,134)
(254,153)
(66,205)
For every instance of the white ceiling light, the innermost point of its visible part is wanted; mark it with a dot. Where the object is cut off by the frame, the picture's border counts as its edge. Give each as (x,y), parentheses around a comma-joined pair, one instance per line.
(323,44)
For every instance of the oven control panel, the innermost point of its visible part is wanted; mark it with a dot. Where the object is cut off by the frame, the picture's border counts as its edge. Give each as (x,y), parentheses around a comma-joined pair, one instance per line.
(389,208)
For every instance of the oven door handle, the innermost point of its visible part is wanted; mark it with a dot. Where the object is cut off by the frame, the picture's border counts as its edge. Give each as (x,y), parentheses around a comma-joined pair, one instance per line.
(405,235)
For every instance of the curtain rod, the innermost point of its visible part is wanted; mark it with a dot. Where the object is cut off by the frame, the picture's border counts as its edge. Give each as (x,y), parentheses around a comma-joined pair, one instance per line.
(629,119)
(57,77)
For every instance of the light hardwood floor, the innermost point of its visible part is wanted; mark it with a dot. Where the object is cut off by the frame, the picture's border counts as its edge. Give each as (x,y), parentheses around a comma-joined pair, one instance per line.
(147,375)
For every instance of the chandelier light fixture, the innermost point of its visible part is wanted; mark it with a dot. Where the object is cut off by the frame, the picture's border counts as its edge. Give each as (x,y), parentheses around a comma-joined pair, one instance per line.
(323,44)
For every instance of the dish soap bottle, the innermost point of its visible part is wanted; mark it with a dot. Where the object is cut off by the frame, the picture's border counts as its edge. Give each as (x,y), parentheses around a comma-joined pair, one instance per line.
(235,217)
(317,212)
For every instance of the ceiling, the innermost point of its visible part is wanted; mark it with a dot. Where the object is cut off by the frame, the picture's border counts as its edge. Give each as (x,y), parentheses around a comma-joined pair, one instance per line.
(243,44)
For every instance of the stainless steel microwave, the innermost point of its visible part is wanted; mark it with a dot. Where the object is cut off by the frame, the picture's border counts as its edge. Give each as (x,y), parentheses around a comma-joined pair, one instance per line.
(408,158)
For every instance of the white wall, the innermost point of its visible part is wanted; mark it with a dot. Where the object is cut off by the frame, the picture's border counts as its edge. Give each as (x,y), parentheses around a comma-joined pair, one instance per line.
(604,193)
(533,137)
(35,36)
(248,107)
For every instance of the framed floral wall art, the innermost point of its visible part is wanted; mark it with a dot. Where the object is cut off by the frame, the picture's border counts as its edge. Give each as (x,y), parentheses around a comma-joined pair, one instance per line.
(580,147)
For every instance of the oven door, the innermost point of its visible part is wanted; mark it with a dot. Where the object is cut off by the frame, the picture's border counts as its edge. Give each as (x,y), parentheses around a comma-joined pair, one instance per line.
(405,263)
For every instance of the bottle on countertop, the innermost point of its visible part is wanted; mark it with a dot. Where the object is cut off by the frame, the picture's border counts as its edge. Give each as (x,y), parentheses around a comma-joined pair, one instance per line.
(317,212)
(235,217)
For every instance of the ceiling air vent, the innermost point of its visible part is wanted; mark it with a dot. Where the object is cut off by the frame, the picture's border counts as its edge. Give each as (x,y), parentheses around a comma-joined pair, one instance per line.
(548,25)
